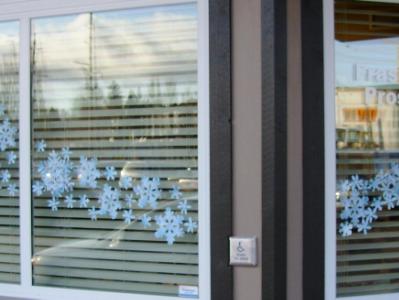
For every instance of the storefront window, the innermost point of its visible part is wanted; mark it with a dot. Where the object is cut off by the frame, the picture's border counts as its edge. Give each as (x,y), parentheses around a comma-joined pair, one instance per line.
(114,151)
(367,147)
(9,164)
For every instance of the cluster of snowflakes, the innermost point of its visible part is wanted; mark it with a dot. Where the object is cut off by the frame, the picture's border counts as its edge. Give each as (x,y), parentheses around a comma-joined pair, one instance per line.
(59,175)
(8,136)
(361,199)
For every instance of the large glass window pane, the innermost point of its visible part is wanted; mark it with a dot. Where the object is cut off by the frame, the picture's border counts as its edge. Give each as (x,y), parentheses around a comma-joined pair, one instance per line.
(114,151)
(9,175)
(367,145)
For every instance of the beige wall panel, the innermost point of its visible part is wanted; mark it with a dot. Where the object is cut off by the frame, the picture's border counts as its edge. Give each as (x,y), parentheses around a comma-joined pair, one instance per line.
(247,138)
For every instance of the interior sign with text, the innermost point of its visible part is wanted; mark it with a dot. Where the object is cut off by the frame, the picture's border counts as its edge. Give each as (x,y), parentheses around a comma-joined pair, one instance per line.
(378,75)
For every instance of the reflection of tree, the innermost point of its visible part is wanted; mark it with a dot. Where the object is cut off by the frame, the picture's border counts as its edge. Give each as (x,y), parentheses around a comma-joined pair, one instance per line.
(114,91)
(9,77)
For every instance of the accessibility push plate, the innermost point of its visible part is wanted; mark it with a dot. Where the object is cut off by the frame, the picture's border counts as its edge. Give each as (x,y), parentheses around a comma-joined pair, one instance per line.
(243,251)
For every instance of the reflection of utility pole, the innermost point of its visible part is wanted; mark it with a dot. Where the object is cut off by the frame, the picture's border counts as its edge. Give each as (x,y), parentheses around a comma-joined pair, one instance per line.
(36,88)
(380,135)
(92,88)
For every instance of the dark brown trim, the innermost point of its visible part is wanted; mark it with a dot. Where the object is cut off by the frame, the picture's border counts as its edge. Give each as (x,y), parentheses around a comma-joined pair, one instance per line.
(221,148)
(274,149)
(313,149)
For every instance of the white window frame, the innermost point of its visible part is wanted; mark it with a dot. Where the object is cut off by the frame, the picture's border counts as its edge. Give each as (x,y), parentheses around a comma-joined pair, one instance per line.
(330,161)
(26,10)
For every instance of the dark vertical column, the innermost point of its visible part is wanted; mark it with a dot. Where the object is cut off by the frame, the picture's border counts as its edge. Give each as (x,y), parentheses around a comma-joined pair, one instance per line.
(313,149)
(221,148)
(274,149)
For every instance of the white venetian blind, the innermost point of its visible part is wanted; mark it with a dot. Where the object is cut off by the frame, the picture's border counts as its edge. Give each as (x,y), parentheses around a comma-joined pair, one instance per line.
(120,89)
(367,136)
(9,172)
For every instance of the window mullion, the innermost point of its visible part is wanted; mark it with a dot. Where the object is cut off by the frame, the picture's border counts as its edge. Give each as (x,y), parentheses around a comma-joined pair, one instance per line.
(25,152)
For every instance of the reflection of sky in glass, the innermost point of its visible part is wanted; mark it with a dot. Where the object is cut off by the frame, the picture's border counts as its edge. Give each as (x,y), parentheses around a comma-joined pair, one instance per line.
(376,53)
(8,36)
(135,48)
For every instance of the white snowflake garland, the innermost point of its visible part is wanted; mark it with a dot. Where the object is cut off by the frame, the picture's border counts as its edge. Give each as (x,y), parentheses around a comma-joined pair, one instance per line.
(59,176)
(362,199)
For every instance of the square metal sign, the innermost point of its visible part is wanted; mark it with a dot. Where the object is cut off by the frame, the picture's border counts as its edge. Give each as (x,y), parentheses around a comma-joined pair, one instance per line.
(243,251)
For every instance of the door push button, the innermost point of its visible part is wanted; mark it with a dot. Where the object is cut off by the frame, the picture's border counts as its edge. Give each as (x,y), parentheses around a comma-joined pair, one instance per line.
(243,251)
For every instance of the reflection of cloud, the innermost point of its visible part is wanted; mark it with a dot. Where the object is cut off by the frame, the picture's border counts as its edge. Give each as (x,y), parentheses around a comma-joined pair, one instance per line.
(134,50)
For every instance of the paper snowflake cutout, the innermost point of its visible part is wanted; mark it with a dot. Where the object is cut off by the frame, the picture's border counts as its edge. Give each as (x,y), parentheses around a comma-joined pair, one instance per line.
(37,188)
(8,135)
(87,172)
(361,199)
(145,220)
(69,201)
(93,213)
(169,226)
(83,201)
(40,146)
(345,229)
(190,225)
(110,173)
(12,189)
(128,216)
(66,153)
(126,182)
(53,204)
(109,201)
(184,207)
(148,192)
(56,174)
(175,193)
(11,157)
(5,176)
(129,200)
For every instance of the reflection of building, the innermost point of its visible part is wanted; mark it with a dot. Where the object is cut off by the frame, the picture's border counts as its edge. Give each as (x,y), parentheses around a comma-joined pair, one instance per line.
(362,126)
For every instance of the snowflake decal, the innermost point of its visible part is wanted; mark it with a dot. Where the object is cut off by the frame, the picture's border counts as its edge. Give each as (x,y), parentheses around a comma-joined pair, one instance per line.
(59,175)
(169,226)
(126,182)
(362,199)
(83,201)
(12,189)
(184,207)
(190,225)
(148,192)
(5,176)
(56,174)
(110,173)
(175,193)
(93,213)
(53,204)
(11,157)
(37,188)
(129,200)
(128,216)
(69,201)
(145,220)
(40,146)
(87,172)
(109,201)
(8,135)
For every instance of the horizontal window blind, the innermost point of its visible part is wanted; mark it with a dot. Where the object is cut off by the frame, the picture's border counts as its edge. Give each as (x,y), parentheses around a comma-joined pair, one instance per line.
(9,171)
(115,160)
(367,141)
